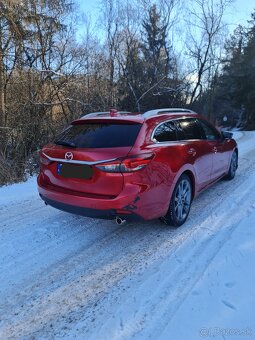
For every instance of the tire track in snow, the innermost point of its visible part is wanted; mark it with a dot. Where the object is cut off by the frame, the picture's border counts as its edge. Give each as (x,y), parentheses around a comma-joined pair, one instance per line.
(177,282)
(86,281)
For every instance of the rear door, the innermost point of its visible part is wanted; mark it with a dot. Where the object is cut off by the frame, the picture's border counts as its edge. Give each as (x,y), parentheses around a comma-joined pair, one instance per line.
(82,146)
(198,152)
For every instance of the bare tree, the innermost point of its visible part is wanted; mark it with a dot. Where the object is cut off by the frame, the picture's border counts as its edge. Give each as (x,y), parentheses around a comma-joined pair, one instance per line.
(12,36)
(204,41)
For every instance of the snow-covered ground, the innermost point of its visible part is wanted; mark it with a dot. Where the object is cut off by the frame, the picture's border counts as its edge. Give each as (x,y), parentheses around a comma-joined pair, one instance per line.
(66,276)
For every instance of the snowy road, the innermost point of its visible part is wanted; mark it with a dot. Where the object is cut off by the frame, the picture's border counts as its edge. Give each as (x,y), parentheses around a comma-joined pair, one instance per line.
(65,276)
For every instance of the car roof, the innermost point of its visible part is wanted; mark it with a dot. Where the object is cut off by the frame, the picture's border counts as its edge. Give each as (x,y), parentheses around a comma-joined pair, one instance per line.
(156,115)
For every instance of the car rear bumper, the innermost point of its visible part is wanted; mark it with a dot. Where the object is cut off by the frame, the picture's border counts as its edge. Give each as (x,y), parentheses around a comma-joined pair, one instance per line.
(89,212)
(123,205)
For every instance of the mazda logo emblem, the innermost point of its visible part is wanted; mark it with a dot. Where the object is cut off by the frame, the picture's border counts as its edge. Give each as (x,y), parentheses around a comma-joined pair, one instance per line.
(69,156)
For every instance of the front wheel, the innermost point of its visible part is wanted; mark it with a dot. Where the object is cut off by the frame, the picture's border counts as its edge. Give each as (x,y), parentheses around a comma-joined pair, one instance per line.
(232,167)
(180,203)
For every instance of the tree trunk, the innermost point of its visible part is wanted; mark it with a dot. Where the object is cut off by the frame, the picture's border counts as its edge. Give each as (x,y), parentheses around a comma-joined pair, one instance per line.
(2,96)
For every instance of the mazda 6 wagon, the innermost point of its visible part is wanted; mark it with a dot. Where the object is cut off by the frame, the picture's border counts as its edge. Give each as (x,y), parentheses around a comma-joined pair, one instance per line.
(120,165)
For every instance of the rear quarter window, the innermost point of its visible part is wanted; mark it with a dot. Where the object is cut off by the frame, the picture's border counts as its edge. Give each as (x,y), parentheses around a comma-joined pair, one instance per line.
(105,135)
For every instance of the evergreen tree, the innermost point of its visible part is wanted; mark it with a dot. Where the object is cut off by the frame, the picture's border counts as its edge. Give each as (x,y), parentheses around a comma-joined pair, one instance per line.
(160,71)
(155,49)
(249,71)
(235,91)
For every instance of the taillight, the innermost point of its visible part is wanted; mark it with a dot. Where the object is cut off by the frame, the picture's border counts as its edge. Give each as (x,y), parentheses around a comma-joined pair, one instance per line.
(128,164)
(110,167)
(136,162)
(43,159)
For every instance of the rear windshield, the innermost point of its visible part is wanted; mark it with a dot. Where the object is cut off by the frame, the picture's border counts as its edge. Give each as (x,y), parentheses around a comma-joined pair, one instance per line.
(106,135)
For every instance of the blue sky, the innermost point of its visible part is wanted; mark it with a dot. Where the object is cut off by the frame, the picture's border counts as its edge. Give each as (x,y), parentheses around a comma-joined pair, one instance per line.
(88,6)
(238,13)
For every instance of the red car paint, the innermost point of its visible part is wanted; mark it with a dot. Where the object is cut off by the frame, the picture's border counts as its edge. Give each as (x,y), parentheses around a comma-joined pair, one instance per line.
(146,174)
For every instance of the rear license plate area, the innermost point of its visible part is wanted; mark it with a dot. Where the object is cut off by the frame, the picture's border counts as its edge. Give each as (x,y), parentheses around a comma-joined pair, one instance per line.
(81,171)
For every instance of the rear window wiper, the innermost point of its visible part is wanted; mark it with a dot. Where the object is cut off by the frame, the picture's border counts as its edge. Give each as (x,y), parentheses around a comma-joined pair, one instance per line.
(62,142)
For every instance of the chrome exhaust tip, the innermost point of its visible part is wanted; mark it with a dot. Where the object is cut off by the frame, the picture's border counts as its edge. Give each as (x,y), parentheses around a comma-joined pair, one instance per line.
(120,220)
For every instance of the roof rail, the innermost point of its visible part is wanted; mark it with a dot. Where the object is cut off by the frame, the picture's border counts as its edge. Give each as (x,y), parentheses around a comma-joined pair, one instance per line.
(167,110)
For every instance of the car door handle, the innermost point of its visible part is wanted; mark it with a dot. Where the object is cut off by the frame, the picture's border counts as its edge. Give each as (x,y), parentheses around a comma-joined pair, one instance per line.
(192,152)
(214,149)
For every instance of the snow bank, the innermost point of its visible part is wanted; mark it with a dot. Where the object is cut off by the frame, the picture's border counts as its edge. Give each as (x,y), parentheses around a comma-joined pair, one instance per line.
(16,192)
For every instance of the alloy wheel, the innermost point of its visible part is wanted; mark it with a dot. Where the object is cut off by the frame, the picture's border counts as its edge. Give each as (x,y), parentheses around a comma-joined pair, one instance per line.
(182,200)
(233,165)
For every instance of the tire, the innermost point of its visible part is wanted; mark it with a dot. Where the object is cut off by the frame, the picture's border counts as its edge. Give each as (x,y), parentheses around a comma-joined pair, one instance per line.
(232,167)
(180,203)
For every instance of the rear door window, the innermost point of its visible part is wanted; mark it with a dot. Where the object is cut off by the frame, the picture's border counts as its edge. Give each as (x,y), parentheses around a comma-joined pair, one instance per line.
(165,132)
(104,135)
(189,129)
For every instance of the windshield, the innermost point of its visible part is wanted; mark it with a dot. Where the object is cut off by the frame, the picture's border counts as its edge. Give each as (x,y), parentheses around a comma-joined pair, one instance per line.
(106,135)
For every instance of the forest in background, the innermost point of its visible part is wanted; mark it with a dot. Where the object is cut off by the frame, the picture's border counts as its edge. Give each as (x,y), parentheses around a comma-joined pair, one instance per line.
(142,54)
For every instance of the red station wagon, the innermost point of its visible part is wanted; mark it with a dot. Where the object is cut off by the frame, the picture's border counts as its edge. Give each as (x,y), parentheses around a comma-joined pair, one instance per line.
(123,166)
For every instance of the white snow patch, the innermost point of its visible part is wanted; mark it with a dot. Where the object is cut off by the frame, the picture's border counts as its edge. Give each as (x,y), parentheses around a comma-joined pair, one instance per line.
(65,276)
(18,191)
(223,299)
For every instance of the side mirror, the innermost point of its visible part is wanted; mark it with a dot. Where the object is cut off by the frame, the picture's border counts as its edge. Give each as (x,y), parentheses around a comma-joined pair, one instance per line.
(226,135)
